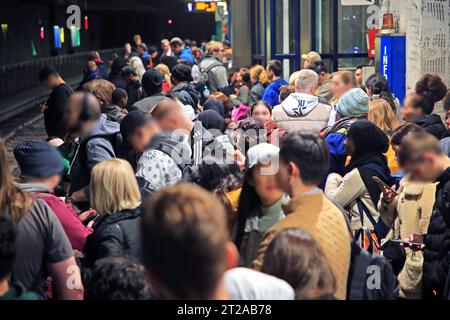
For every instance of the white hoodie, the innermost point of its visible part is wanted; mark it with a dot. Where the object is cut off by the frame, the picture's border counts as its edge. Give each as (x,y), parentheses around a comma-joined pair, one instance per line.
(301,111)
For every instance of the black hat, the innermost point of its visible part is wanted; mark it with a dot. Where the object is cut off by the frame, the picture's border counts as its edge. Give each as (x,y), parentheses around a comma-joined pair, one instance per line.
(128,71)
(182,72)
(132,121)
(152,81)
(38,159)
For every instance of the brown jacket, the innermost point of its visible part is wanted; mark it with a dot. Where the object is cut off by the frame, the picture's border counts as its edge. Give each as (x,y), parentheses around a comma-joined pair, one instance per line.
(409,213)
(316,214)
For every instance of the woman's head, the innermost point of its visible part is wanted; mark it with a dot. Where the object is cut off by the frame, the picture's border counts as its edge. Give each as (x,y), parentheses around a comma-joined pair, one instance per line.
(381,114)
(164,70)
(376,85)
(364,137)
(429,90)
(212,120)
(258,74)
(13,201)
(401,132)
(342,82)
(262,111)
(225,100)
(243,76)
(296,257)
(101,89)
(113,187)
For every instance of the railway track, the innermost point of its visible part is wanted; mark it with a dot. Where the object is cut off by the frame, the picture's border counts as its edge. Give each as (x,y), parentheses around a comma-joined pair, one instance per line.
(26,126)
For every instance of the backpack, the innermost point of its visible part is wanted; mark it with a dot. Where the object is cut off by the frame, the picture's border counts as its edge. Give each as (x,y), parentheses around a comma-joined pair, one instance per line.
(360,276)
(206,81)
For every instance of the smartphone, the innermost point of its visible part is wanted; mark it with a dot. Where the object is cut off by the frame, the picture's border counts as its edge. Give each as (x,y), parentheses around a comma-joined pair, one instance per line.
(407,244)
(381,183)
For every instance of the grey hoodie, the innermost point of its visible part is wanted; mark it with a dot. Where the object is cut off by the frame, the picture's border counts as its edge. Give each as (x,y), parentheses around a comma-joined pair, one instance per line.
(101,143)
(301,111)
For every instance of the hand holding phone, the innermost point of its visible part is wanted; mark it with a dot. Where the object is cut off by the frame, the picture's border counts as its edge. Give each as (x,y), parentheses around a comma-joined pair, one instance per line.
(389,193)
(416,246)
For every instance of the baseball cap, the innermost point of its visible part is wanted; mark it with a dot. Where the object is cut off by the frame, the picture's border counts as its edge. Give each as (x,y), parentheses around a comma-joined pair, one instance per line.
(312,56)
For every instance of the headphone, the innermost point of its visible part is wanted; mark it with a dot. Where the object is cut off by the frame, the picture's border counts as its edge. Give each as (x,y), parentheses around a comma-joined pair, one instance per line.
(84,114)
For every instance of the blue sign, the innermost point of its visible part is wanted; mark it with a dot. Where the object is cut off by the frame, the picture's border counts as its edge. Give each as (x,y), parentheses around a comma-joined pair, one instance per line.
(393,63)
(57,36)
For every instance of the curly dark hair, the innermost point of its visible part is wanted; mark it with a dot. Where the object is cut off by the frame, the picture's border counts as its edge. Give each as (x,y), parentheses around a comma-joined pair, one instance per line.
(118,278)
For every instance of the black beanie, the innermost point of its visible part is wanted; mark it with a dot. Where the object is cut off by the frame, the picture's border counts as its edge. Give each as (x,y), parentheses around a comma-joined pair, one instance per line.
(182,72)
(38,159)
(152,81)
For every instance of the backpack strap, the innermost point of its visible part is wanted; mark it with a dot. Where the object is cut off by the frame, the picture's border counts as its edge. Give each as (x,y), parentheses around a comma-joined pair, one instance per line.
(210,67)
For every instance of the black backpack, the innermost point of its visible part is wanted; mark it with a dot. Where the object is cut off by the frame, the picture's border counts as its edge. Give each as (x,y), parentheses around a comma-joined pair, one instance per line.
(364,267)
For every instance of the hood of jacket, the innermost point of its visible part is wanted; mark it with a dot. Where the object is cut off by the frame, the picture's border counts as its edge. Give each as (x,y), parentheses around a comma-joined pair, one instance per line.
(299,104)
(102,128)
(33,187)
(433,124)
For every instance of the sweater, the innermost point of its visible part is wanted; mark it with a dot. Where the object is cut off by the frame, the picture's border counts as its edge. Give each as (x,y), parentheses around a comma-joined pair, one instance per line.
(409,213)
(316,214)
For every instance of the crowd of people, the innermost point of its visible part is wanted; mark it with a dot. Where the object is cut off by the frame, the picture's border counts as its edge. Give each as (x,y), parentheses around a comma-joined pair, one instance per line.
(168,175)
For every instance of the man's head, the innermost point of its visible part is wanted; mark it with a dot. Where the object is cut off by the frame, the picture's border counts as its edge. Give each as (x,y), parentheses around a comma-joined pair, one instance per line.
(306,82)
(119,97)
(322,71)
(137,130)
(176,44)
(129,74)
(118,278)
(215,48)
(186,227)
(8,235)
(49,77)
(165,45)
(152,82)
(127,48)
(359,75)
(137,39)
(83,110)
(304,161)
(170,117)
(421,156)
(181,73)
(274,69)
(310,59)
(141,48)
(39,162)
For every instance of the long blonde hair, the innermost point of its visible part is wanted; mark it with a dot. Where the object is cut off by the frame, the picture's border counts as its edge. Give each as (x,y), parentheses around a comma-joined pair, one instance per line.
(164,70)
(13,201)
(114,187)
(382,115)
(137,64)
(258,74)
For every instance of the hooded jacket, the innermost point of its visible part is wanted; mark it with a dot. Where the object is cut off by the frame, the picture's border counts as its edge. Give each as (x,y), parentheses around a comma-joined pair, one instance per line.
(217,75)
(433,124)
(101,143)
(187,94)
(301,111)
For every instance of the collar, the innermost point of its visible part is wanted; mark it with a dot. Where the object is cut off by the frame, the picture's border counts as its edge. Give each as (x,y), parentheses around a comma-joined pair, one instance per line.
(311,199)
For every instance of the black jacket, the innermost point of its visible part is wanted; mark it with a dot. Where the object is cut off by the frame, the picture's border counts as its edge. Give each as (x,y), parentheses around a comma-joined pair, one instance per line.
(54,115)
(187,94)
(115,234)
(437,243)
(433,124)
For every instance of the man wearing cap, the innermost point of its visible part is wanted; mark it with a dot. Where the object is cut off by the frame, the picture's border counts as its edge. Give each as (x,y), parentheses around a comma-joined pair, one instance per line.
(131,78)
(155,168)
(182,52)
(310,59)
(183,88)
(41,168)
(152,81)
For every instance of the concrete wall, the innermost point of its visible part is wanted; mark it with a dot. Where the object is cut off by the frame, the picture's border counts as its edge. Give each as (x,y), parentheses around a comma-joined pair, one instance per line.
(241,37)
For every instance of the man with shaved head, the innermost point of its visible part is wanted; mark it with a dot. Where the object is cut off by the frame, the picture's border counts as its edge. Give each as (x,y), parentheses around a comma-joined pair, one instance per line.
(98,140)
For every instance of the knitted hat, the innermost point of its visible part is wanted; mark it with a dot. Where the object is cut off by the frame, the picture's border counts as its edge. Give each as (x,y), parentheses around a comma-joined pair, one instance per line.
(354,103)
(38,159)
(152,81)
(182,72)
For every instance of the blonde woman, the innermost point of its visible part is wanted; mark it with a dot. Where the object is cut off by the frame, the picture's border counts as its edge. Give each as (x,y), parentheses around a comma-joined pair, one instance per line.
(137,64)
(382,115)
(164,70)
(116,198)
(259,80)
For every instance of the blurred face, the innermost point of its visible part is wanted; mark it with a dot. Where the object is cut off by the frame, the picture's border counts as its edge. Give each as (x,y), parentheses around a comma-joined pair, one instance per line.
(265,183)
(176,48)
(127,48)
(260,112)
(219,53)
(141,137)
(408,112)
(269,73)
(359,76)
(349,147)
(284,176)
(338,87)
(72,115)
(308,64)
(424,171)
(165,46)
(447,119)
